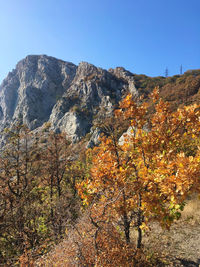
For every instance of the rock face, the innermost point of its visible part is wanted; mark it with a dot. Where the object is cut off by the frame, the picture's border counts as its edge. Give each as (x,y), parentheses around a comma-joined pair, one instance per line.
(44,89)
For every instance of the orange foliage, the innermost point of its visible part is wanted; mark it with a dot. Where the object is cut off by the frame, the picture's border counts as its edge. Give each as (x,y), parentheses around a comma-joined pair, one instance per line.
(88,246)
(148,176)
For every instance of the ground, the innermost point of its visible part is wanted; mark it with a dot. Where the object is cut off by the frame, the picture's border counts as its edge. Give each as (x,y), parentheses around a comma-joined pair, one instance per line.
(180,246)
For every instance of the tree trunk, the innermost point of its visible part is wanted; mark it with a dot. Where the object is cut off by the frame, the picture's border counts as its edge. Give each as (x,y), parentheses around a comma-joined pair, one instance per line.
(139,239)
(139,222)
(126,221)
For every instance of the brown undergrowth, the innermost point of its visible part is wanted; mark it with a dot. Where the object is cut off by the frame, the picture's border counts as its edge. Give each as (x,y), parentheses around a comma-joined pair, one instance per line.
(180,246)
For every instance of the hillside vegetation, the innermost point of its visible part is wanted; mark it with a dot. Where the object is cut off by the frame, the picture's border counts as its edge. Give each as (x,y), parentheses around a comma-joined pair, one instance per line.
(178,89)
(64,205)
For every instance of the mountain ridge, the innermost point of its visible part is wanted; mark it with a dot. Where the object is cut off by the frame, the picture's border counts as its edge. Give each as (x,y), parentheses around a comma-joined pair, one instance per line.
(45,89)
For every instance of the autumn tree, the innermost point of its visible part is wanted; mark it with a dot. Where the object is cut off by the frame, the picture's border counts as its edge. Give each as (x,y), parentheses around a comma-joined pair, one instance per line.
(18,179)
(37,192)
(59,173)
(148,175)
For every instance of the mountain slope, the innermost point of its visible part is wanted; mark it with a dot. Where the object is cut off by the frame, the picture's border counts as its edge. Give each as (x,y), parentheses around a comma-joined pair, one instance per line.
(43,88)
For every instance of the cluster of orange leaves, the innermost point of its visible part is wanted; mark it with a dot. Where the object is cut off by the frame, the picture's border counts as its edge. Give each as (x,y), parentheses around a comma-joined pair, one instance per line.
(153,170)
(145,177)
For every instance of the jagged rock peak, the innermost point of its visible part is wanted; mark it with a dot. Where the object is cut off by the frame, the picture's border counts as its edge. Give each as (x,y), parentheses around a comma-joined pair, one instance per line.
(87,67)
(127,76)
(36,58)
(120,71)
(43,88)
(29,93)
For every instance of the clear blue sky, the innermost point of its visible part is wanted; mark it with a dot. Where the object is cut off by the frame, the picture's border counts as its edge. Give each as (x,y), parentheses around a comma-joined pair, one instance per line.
(144,36)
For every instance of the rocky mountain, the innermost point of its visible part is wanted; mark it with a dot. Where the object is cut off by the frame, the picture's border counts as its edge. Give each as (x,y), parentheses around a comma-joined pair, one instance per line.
(45,89)
(70,98)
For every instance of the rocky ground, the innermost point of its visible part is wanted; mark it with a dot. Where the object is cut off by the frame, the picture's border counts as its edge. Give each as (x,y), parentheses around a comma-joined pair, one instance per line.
(181,245)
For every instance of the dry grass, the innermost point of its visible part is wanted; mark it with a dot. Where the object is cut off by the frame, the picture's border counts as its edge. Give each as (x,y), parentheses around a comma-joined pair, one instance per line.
(180,246)
(192,209)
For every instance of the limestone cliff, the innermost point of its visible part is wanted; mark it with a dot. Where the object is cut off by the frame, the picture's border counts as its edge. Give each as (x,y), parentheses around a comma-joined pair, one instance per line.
(43,88)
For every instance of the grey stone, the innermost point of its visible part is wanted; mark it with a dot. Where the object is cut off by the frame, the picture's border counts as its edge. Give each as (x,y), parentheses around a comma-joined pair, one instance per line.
(45,89)
(95,136)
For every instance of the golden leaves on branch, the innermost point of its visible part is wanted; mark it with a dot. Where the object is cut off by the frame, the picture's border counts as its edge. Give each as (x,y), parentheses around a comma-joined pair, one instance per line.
(154,169)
